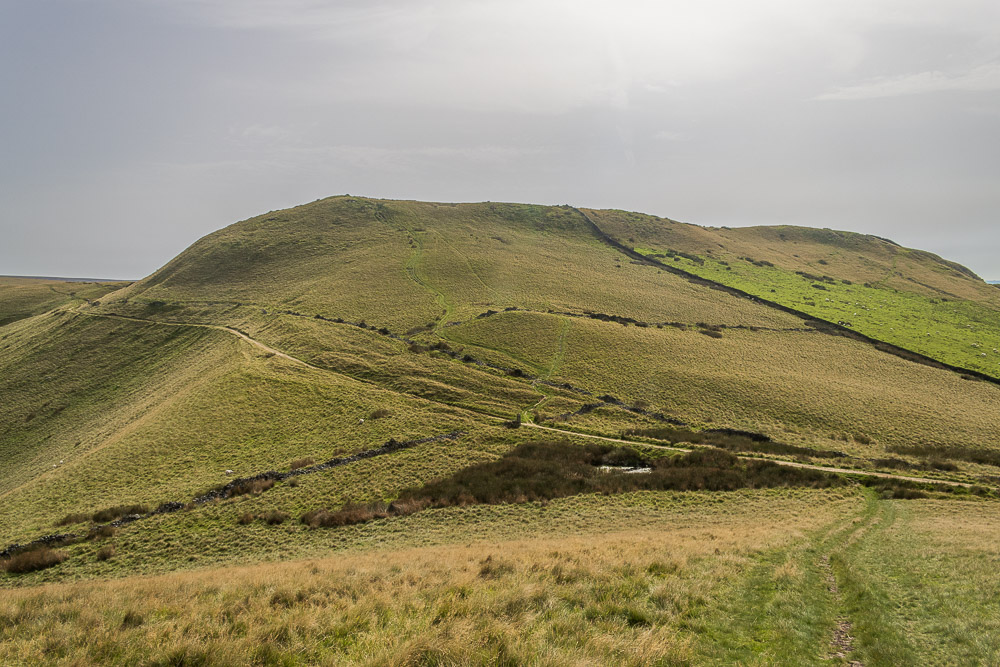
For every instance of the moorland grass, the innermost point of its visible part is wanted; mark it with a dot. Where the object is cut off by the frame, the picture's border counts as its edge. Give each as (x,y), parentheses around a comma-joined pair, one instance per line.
(167,437)
(106,412)
(598,594)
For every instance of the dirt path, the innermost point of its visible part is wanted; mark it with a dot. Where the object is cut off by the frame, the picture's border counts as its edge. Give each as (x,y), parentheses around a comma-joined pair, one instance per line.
(256,343)
(218,327)
(842,642)
(412,270)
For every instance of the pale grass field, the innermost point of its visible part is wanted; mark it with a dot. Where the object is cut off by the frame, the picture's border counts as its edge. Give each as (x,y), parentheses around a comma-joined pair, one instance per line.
(641,596)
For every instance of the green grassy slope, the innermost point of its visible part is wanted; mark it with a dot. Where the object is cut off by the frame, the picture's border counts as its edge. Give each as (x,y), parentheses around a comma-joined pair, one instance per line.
(408,264)
(842,255)
(167,421)
(906,297)
(768,372)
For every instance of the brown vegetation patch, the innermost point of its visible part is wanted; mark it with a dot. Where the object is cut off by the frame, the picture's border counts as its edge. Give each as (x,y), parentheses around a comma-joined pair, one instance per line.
(30,561)
(732,440)
(301,463)
(541,471)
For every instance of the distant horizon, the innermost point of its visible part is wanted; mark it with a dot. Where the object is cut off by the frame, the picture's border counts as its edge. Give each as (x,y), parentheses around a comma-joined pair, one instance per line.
(139,126)
(991,281)
(64,279)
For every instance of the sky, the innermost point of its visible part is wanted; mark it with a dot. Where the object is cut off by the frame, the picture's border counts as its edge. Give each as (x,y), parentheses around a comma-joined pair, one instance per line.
(130,128)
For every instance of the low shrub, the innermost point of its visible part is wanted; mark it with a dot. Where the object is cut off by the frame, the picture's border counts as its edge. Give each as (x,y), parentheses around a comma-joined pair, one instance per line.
(349,515)
(732,440)
(274,517)
(106,552)
(900,464)
(938,464)
(112,513)
(381,413)
(76,517)
(132,619)
(31,561)
(101,532)
(301,463)
(955,452)
(541,471)
(245,518)
(493,569)
(250,487)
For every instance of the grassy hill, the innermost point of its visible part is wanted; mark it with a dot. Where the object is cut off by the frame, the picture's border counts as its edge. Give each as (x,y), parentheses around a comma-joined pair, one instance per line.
(300,385)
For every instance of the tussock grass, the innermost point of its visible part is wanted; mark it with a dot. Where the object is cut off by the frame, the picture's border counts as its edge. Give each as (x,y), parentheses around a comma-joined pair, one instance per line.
(301,463)
(102,532)
(75,517)
(251,487)
(981,456)
(930,464)
(32,560)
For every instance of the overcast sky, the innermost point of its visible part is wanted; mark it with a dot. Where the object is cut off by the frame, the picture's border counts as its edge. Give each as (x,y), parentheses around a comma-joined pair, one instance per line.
(129,128)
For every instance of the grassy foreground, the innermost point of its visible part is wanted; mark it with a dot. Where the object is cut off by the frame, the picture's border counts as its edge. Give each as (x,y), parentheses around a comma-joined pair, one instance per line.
(695,579)
(670,590)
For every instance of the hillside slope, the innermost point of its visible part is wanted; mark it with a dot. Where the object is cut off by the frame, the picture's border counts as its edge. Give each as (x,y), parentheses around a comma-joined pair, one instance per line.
(447,316)
(437,403)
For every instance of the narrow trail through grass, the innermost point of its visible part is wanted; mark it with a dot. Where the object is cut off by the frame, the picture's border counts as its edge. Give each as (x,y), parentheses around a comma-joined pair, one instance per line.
(527,415)
(468,264)
(413,269)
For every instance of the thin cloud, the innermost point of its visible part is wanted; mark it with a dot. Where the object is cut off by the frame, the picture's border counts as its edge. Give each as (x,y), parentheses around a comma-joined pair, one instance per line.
(981,79)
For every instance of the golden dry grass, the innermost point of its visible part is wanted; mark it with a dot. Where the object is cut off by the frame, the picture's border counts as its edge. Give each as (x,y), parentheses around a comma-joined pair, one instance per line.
(599,596)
